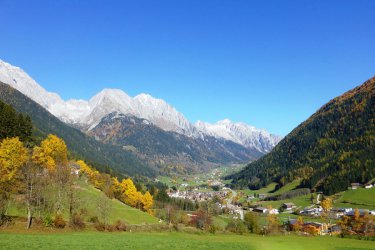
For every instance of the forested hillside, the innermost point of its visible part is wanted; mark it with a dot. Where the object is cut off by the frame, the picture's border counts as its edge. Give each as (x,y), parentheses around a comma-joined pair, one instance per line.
(331,149)
(104,157)
(14,124)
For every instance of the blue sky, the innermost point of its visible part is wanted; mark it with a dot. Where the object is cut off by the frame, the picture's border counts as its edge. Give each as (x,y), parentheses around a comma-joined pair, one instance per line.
(267,63)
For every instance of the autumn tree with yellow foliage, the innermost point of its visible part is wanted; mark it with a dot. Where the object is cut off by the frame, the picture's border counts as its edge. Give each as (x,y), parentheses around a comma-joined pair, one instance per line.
(147,202)
(13,156)
(326,206)
(129,192)
(51,153)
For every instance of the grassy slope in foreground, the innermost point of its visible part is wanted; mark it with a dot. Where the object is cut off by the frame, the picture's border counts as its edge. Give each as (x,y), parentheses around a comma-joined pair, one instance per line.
(95,240)
(90,197)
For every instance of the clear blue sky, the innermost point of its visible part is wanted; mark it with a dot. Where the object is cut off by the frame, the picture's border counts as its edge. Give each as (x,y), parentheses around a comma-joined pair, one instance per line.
(267,63)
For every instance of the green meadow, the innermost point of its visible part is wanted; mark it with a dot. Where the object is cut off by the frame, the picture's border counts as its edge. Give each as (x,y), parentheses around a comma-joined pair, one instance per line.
(95,240)
(361,198)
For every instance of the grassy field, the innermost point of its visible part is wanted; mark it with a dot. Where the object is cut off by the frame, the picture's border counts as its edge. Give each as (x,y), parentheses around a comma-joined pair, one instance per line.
(95,240)
(360,198)
(288,187)
(90,197)
(264,190)
(300,201)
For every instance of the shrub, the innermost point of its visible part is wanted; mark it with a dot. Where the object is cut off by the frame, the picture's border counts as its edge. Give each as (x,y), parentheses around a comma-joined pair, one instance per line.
(252,221)
(5,220)
(236,226)
(99,226)
(94,219)
(111,228)
(59,221)
(77,222)
(48,221)
(201,219)
(212,229)
(120,225)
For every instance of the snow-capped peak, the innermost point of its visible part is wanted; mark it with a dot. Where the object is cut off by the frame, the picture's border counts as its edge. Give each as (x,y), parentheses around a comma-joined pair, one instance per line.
(240,133)
(18,79)
(89,113)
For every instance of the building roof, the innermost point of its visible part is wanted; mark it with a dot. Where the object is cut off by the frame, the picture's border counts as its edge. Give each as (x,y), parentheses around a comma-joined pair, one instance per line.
(289,204)
(260,208)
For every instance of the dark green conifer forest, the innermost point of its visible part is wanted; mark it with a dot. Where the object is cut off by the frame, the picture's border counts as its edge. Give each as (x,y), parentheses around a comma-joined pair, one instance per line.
(331,149)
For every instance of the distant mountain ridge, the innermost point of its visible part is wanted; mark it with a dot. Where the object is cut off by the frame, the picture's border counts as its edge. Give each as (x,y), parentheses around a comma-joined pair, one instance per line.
(161,148)
(331,149)
(88,114)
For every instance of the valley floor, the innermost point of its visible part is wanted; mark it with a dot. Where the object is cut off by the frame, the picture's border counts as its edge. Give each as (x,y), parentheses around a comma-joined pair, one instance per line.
(97,240)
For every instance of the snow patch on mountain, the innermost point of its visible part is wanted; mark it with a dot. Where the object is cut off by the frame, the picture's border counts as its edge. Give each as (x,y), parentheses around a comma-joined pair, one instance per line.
(240,133)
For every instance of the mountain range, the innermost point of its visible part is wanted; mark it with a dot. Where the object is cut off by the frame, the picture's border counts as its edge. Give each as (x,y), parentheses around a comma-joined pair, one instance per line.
(148,127)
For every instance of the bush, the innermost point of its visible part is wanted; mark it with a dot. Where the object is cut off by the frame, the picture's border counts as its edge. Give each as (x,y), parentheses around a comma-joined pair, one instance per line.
(213,229)
(94,219)
(201,219)
(120,225)
(111,228)
(59,221)
(236,226)
(5,220)
(48,221)
(77,222)
(100,226)
(252,222)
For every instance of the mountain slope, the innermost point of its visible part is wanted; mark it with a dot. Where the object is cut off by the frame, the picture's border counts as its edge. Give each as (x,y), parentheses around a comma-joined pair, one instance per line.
(164,148)
(100,154)
(331,149)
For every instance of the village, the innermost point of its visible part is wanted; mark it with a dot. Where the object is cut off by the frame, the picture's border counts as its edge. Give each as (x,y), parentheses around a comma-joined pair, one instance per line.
(288,212)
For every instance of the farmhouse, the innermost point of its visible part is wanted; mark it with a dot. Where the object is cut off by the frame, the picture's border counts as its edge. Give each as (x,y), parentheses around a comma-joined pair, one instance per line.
(312,211)
(288,206)
(250,197)
(362,212)
(272,211)
(337,212)
(262,210)
(262,196)
(75,169)
(355,185)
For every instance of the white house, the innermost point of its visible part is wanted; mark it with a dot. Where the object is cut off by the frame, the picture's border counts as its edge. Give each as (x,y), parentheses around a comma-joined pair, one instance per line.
(289,206)
(355,185)
(272,211)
